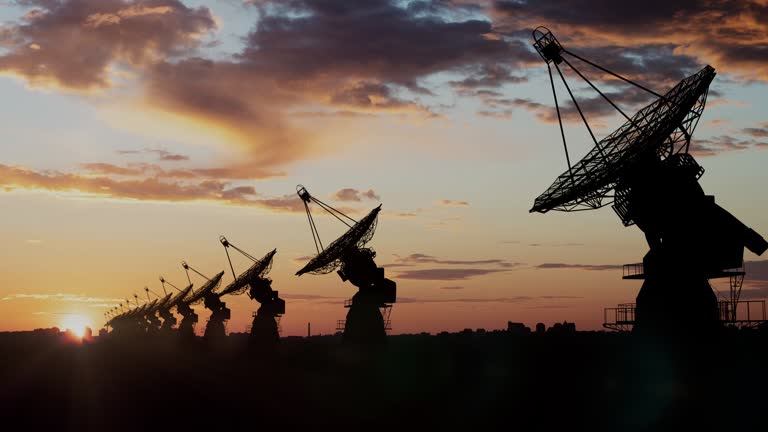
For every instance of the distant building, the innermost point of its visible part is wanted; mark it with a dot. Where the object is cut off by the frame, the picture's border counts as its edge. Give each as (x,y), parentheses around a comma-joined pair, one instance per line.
(516,328)
(87,334)
(541,328)
(563,328)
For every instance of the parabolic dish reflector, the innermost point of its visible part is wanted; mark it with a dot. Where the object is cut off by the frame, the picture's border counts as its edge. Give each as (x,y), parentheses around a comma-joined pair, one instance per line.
(163,302)
(180,296)
(208,287)
(258,270)
(357,236)
(150,308)
(655,129)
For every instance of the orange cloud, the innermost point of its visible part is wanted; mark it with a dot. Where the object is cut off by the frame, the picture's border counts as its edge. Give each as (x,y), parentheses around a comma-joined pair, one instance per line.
(730,35)
(144,189)
(74,43)
(453,203)
(286,65)
(349,194)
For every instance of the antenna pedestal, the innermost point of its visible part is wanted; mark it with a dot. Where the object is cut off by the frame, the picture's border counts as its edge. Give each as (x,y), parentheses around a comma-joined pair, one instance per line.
(364,324)
(264,329)
(188,321)
(670,303)
(215,328)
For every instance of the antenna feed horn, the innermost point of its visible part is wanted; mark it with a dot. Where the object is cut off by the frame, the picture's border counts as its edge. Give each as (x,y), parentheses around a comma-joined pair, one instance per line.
(302,192)
(547,45)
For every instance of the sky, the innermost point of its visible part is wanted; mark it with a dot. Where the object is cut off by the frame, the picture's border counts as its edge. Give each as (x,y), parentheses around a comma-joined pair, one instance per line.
(135,133)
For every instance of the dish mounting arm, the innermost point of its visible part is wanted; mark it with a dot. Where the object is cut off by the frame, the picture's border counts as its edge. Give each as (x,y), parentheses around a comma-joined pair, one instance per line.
(550,49)
(227,245)
(188,267)
(306,198)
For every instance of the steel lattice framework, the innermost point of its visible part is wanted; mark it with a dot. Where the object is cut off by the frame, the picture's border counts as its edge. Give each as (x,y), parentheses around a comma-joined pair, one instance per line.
(663,128)
(208,287)
(329,259)
(258,270)
(180,297)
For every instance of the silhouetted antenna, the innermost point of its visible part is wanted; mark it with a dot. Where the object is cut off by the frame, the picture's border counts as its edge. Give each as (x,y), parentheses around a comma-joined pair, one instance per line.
(644,168)
(359,233)
(662,128)
(259,269)
(265,328)
(367,318)
(209,286)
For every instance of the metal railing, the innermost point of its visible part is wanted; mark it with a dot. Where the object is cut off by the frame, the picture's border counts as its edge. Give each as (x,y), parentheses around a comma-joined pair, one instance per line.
(633,270)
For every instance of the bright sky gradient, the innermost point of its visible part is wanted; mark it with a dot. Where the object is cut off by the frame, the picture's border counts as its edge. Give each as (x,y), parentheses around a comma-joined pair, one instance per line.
(134,133)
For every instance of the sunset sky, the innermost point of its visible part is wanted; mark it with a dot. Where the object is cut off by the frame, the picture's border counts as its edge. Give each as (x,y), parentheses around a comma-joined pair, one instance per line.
(134,133)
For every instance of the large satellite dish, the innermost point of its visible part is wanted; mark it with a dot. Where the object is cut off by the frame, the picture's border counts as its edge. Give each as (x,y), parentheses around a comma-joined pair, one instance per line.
(258,269)
(663,128)
(329,259)
(645,170)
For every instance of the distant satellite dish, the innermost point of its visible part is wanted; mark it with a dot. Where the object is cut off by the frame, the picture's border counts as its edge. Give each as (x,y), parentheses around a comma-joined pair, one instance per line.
(208,287)
(259,269)
(178,298)
(329,259)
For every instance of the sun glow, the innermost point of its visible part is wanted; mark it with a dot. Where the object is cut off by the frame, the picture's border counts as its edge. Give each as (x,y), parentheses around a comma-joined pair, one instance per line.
(75,323)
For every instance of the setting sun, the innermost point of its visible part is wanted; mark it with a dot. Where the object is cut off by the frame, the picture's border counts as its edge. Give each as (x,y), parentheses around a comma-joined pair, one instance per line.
(75,323)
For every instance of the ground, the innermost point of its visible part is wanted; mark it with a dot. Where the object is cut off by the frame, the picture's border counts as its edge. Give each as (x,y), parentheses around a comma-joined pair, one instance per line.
(469,380)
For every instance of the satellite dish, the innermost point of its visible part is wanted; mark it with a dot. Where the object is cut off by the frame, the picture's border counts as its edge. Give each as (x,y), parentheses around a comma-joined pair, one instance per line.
(178,298)
(258,269)
(208,287)
(655,129)
(662,129)
(645,170)
(329,259)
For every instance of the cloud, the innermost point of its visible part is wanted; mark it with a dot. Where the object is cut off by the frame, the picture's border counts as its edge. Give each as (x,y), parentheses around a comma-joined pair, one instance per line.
(167,156)
(401,215)
(78,298)
(310,297)
(453,203)
(419,258)
(303,259)
(501,115)
(332,56)
(143,170)
(145,189)
(555,244)
(349,194)
(452,288)
(757,132)
(110,169)
(449,274)
(731,35)
(75,43)
(580,266)
(723,144)
(488,76)
(593,107)
(515,299)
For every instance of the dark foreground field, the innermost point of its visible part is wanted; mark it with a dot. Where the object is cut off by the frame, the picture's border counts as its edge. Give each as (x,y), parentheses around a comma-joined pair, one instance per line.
(594,381)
